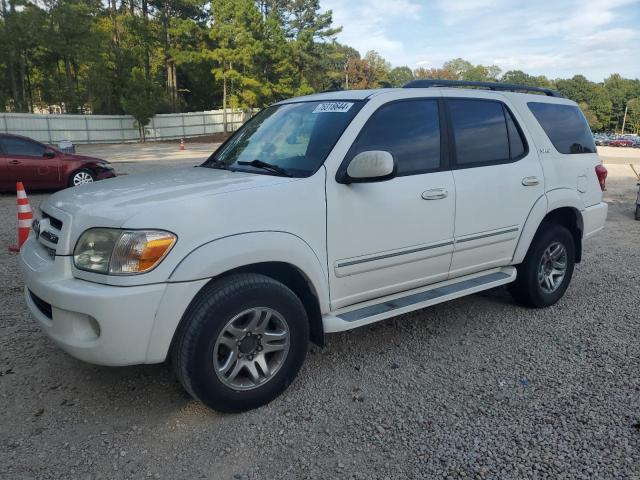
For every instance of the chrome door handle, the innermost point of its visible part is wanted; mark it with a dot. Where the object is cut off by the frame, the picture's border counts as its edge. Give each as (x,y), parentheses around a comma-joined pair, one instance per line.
(530,181)
(435,194)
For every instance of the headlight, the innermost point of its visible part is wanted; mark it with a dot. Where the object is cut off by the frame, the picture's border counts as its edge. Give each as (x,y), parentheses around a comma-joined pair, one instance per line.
(121,252)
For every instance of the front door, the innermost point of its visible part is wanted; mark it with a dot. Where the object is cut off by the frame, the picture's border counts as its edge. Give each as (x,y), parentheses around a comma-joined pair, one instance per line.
(498,179)
(390,236)
(27,163)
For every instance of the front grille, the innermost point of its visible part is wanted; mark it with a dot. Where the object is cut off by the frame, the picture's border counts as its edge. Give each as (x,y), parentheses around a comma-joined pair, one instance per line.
(50,237)
(43,306)
(48,230)
(54,222)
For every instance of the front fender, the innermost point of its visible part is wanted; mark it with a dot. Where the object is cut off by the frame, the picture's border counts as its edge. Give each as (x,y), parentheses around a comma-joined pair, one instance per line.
(227,253)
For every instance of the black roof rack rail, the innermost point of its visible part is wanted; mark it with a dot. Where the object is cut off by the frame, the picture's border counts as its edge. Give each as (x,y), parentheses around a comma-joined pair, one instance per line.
(511,87)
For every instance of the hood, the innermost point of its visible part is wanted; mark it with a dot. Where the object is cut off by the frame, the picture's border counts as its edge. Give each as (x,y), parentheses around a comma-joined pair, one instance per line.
(119,198)
(83,158)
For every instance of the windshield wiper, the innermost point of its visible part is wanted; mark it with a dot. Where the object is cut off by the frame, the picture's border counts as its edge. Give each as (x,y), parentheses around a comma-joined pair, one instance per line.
(267,166)
(215,164)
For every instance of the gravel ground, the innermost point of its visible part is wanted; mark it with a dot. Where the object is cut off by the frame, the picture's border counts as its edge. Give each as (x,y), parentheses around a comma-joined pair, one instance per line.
(474,388)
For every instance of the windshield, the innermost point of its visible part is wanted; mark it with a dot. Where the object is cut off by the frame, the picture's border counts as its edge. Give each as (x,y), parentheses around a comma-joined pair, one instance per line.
(290,140)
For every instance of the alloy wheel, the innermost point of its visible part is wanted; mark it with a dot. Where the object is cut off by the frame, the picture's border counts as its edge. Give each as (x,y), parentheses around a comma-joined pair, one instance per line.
(553,267)
(82,178)
(251,348)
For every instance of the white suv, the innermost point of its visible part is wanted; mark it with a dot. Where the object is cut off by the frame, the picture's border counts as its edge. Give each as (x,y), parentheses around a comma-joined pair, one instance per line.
(321,214)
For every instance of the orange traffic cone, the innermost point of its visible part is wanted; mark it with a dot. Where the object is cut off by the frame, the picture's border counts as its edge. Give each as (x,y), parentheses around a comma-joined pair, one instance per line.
(182,144)
(25,216)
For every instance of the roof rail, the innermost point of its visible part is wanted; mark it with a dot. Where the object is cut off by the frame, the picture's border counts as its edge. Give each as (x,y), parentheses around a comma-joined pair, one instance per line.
(512,87)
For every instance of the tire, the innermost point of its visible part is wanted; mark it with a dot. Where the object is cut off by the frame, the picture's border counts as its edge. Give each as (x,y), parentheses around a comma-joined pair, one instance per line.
(81,177)
(212,341)
(530,288)
(637,212)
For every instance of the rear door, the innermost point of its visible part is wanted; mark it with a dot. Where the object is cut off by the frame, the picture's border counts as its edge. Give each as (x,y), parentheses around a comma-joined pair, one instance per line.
(27,163)
(498,179)
(5,181)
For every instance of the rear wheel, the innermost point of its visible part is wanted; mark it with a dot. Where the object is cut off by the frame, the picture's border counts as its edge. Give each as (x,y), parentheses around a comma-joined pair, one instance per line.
(637,212)
(241,342)
(81,177)
(546,271)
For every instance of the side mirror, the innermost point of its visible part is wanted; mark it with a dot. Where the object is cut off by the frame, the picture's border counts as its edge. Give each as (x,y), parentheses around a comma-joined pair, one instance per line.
(370,166)
(49,154)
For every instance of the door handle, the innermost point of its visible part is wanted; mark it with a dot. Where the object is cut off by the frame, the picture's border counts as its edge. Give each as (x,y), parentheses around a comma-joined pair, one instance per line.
(14,162)
(435,194)
(530,181)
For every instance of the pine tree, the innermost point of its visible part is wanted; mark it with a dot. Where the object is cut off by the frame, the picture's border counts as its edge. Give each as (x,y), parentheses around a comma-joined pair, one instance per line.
(236,36)
(140,99)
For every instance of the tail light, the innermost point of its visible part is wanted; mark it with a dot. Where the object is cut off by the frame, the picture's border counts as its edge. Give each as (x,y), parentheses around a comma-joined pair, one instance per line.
(601,172)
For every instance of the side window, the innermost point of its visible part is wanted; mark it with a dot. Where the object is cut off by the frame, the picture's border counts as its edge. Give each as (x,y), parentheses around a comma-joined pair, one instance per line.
(409,130)
(516,143)
(18,146)
(479,132)
(565,126)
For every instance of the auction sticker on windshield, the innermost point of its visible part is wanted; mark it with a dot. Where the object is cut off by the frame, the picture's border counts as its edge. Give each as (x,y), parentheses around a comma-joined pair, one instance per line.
(333,107)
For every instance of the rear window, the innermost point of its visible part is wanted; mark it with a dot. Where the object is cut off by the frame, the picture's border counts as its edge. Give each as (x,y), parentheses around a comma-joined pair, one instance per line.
(565,126)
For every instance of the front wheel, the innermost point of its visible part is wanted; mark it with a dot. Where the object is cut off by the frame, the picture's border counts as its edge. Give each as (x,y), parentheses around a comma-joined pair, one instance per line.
(546,271)
(241,342)
(81,177)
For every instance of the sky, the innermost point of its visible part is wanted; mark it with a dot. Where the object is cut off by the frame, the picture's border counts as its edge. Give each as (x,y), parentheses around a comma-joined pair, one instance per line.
(556,38)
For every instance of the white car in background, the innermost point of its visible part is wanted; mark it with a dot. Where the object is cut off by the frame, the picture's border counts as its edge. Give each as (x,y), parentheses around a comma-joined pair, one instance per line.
(321,214)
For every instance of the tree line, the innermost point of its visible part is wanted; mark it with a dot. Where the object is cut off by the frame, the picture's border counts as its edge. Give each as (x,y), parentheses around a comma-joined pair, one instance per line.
(144,57)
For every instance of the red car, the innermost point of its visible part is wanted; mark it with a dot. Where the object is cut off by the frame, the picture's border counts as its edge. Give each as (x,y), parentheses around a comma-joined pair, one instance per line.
(41,167)
(621,142)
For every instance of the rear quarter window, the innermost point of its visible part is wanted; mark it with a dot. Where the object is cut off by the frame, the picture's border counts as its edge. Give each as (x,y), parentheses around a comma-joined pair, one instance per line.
(565,126)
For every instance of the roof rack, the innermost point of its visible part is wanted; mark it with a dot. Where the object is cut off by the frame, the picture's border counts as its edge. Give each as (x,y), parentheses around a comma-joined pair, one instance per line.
(511,87)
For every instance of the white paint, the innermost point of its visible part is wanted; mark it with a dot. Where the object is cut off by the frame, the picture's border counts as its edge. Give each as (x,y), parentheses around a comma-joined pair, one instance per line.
(355,244)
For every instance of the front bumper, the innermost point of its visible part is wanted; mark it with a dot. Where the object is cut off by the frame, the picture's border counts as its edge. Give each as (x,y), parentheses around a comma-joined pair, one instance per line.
(97,323)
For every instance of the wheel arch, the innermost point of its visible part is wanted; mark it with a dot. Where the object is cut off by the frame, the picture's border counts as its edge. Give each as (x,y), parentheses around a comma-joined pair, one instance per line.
(282,256)
(571,218)
(73,171)
(283,272)
(559,206)
(299,283)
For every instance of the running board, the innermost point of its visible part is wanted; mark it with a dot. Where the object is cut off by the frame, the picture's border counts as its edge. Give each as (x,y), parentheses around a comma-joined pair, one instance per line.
(393,305)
